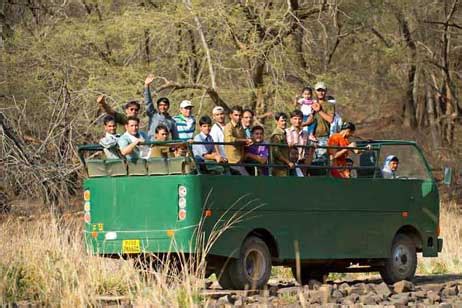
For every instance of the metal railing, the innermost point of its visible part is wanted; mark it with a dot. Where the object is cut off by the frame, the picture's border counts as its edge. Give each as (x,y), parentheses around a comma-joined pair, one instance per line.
(375,147)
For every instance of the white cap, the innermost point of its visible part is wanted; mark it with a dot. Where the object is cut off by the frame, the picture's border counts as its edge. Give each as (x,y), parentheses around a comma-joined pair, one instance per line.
(185,104)
(218,109)
(320,85)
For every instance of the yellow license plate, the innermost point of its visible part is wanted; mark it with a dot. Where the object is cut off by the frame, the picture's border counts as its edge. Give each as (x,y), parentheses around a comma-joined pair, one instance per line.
(131,246)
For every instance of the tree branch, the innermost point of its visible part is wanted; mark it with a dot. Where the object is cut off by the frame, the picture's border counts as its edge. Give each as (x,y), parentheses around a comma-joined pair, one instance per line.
(381,37)
(204,43)
(211,92)
(443,23)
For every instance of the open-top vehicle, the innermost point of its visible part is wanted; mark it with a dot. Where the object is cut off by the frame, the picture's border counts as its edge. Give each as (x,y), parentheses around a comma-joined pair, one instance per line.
(315,225)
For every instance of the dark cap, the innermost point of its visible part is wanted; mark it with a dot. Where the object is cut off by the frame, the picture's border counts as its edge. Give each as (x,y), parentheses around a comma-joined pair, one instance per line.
(348,125)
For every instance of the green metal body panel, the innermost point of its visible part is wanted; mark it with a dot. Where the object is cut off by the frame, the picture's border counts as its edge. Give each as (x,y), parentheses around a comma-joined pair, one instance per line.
(326,217)
(330,218)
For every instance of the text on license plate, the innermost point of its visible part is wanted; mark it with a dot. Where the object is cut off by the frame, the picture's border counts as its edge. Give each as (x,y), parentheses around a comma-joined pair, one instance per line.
(131,246)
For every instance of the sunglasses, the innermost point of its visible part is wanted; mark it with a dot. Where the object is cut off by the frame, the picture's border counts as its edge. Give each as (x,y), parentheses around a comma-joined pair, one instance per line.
(133,109)
(320,90)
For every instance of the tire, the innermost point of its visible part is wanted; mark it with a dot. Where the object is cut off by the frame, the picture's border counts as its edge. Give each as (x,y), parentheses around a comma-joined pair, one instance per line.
(223,277)
(308,273)
(403,261)
(252,269)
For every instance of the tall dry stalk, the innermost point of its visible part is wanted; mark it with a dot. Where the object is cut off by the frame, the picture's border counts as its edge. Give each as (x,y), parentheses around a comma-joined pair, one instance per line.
(450,259)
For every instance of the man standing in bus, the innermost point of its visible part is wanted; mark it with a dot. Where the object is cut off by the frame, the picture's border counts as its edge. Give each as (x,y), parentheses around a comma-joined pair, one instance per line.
(159,116)
(109,141)
(234,132)
(205,151)
(280,155)
(131,109)
(247,122)
(258,152)
(129,142)
(185,121)
(218,128)
(297,139)
(323,115)
(339,156)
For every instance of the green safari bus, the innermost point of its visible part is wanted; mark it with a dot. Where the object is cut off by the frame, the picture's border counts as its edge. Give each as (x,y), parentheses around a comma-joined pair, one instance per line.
(315,225)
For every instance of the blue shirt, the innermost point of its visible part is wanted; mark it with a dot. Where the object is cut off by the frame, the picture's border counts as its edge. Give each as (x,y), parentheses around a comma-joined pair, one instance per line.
(200,149)
(126,139)
(156,118)
(248,132)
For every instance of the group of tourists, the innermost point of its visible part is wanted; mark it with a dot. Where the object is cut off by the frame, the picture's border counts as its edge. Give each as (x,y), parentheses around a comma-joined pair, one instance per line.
(298,140)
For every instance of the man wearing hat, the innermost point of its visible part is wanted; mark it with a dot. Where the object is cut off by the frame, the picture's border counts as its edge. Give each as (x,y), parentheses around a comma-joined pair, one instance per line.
(185,122)
(218,128)
(323,115)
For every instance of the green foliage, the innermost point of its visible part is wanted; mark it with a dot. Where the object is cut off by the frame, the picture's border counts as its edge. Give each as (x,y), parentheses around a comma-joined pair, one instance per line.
(282,273)
(23,281)
(261,55)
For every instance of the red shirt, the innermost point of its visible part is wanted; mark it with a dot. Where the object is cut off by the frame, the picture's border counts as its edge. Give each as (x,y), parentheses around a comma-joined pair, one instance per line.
(338,140)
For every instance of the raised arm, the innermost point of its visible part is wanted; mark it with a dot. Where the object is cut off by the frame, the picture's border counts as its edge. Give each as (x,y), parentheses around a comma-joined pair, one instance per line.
(101,100)
(150,109)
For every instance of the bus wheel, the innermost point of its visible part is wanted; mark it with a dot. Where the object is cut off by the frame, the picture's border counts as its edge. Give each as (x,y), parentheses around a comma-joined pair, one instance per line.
(253,267)
(309,273)
(223,276)
(403,261)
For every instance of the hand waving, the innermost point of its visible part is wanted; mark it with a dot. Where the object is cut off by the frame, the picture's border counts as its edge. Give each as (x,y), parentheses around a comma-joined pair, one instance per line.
(101,99)
(149,80)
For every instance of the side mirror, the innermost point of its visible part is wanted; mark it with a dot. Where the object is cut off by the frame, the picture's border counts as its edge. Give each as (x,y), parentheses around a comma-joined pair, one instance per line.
(447,176)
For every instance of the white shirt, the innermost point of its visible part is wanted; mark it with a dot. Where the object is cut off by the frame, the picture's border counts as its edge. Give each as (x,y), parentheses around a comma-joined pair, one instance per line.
(109,142)
(218,136)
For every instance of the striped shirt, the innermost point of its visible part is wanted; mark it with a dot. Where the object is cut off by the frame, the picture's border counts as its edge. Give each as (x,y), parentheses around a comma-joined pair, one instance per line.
(185,127)
(295,137)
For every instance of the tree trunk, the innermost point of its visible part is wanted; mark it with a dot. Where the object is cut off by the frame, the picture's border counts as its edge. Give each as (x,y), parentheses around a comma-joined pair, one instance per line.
(298,40)
(409,106)
(258,96)
(434,125)
(193,59)
(409,112)
(147,46)
(450,114)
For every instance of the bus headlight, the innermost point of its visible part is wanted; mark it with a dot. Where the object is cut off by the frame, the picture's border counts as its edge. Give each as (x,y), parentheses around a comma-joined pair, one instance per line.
(182,214)
(87,217)
(182,191)
(86,195)
(182,202)
(86,207)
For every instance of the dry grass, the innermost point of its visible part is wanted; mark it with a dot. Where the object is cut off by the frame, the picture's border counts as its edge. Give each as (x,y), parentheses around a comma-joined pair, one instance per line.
(43,260)
(450,259)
